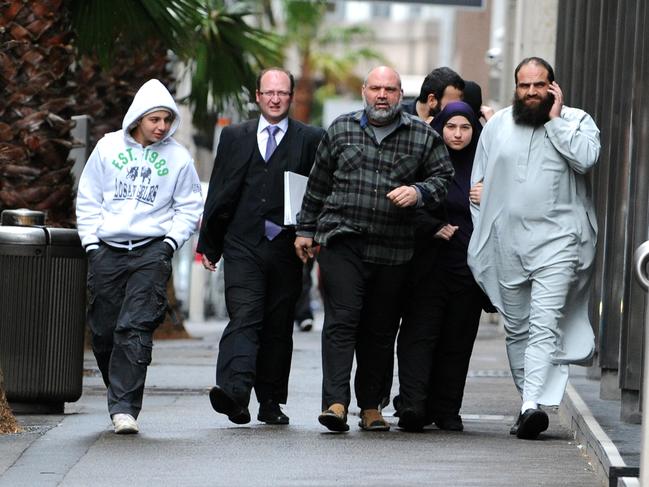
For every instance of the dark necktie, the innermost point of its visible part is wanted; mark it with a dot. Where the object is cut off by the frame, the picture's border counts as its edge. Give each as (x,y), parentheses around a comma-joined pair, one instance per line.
(271,145)
(271,230)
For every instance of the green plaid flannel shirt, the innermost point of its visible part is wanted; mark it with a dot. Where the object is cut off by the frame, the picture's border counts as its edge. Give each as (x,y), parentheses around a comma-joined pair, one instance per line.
(353,173)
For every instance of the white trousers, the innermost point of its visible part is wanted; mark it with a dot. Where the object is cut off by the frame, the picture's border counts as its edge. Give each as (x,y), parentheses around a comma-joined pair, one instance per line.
(533,294)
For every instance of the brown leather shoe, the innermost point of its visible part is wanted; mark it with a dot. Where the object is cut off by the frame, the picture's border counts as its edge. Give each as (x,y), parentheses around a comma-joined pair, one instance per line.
(334,418)
(372,420)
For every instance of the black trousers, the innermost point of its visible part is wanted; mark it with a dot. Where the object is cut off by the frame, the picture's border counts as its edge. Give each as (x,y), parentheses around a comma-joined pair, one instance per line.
(303,309)
(434,349)
(420,328)
(361,305)
(262,284)
(127,302)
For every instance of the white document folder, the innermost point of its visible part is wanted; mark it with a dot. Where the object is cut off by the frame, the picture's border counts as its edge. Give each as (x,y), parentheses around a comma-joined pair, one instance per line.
(294,188)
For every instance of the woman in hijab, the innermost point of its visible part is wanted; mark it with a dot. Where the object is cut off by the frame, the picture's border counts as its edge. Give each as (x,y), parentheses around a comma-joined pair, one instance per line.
(457,299)
(442,309)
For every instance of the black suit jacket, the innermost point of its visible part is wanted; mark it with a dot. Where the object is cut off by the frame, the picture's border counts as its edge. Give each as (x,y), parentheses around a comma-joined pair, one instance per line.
(234,153)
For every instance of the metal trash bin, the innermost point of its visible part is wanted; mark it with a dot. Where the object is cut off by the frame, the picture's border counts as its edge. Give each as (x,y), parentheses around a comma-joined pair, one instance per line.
(42,313)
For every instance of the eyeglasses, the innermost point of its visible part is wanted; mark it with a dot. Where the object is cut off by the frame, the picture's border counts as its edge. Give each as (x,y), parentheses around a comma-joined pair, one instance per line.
(273,94)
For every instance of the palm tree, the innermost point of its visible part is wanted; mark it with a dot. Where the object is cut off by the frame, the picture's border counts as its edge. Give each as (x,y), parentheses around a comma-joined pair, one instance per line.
(227,57)
(323,53)
(35,109)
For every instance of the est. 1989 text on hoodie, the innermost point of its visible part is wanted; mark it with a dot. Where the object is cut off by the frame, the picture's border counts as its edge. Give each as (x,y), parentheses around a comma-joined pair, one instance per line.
(131,192)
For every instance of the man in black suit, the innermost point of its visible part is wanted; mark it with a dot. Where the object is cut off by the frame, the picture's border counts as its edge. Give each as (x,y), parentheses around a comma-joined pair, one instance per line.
(242,222)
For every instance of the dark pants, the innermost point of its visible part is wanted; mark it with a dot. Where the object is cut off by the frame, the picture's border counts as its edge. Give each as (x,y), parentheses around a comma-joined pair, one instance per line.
(460,302)
(262,283)
(361,315)
(127,302)
(434,349)
(420,329)
(303,309)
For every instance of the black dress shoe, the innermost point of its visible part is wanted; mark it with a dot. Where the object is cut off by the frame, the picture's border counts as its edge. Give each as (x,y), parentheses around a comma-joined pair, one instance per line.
(223,403)
(532,423)
(410,420)
(271,413)
(514,429)
(449,423)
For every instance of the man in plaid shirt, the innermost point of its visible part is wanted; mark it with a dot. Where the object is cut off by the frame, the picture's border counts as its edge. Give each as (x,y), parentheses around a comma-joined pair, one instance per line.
(372,169)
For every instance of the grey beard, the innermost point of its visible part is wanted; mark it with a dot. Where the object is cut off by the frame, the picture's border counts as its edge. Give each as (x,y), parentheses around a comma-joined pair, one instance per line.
(382,116)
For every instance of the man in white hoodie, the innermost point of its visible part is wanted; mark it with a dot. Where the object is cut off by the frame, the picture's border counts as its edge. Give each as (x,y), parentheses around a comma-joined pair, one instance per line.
(139,200)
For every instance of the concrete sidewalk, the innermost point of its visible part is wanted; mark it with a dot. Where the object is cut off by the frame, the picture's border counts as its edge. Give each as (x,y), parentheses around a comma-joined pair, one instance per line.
(613,445)
(184,442)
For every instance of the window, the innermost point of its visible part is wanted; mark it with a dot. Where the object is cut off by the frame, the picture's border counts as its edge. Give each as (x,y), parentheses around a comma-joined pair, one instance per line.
(380,9)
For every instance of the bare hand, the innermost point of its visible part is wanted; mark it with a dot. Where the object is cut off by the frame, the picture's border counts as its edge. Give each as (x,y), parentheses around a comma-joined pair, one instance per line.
(475,193)
(209,265)
(555,111)
(446,232)
(304,248)
(403,196)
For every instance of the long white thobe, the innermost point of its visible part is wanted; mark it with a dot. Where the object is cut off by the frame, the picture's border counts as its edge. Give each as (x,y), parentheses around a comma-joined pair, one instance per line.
(533,243)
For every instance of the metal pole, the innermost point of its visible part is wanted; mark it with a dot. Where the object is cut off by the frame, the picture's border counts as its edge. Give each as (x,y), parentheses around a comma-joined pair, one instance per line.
(644,444)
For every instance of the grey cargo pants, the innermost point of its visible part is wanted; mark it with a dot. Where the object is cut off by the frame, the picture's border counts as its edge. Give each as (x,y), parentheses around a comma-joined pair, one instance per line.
(127,301)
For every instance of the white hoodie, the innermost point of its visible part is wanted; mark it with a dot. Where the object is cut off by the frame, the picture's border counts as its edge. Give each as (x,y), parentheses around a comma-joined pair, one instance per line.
(129,193)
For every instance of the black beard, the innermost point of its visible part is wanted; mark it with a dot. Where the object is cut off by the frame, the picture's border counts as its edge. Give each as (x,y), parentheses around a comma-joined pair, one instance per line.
(534,116)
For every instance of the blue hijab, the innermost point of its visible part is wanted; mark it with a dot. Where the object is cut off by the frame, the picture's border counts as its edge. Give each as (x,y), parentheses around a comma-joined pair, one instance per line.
(462,159)
(457,199)
(458,108)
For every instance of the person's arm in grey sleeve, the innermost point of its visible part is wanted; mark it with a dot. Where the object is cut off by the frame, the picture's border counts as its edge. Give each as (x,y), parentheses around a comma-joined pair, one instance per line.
(576,137)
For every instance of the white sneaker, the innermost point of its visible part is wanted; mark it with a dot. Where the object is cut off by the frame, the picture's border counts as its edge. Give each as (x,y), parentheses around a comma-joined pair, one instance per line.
(124,424)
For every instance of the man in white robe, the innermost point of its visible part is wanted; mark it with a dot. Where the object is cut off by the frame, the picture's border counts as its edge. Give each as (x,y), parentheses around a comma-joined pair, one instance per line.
(534,235)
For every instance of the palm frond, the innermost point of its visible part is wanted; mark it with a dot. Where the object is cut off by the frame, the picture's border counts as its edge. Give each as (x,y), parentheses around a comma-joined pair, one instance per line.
(346,35)
(99,24)
(231,54)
